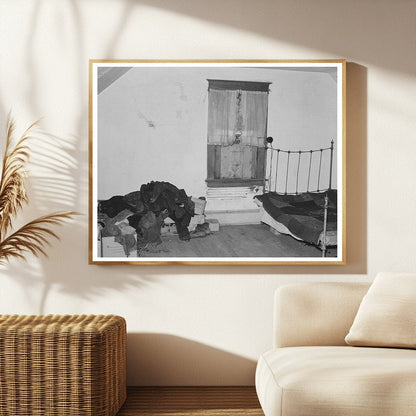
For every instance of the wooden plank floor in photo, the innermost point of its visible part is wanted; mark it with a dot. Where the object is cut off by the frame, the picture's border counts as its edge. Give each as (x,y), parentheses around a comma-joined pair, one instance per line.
(191,401)
(254,240)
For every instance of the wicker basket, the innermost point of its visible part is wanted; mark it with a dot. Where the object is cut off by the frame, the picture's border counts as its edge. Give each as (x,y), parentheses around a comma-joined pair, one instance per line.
(54,365)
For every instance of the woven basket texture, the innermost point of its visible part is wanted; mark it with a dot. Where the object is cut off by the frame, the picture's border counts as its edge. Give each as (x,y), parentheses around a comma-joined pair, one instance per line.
(56,365)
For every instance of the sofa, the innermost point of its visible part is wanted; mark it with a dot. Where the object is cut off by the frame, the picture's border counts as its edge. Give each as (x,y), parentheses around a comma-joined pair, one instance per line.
(342,349)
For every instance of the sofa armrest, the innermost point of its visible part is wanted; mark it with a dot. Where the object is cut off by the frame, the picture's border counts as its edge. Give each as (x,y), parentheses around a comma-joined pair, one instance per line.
(315,313)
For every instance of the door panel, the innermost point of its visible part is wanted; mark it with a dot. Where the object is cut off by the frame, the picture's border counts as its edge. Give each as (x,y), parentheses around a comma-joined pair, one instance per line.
(237,162)
(237,125)
(214,162)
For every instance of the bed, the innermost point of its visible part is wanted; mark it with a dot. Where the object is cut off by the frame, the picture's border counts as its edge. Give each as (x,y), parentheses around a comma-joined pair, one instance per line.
(309,215)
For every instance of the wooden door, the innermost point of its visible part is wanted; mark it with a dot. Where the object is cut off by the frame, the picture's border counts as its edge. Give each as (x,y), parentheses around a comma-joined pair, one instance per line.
(237,129)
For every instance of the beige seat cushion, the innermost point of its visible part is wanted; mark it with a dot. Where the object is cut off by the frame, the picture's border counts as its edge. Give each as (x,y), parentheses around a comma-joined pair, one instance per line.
(337,381)
(387,314)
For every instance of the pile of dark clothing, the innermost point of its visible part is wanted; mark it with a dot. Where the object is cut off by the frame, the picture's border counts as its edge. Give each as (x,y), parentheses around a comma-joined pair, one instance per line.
(143,212)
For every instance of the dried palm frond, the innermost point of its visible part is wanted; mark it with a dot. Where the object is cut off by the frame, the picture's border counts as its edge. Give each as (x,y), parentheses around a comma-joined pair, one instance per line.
(12,182)
(32,237)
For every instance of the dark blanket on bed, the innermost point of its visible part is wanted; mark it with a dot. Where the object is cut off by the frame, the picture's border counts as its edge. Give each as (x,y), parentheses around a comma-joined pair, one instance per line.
(302,214)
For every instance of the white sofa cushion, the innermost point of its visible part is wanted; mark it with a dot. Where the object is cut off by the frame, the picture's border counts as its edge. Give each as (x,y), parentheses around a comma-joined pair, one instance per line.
(387,314)
(341,381)
(315,313)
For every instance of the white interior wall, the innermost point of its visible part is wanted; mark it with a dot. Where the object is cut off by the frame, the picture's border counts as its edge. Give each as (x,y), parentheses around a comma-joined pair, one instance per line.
(153,120)
(200,324)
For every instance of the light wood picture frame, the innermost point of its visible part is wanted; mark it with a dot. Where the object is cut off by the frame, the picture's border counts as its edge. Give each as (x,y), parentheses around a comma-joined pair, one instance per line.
(217,162)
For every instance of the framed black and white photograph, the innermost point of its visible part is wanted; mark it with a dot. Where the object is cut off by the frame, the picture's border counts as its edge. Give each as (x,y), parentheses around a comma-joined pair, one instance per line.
(207,162)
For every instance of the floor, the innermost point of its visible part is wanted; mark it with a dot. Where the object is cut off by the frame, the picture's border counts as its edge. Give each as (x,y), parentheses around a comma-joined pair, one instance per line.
(254,240)
(191,401)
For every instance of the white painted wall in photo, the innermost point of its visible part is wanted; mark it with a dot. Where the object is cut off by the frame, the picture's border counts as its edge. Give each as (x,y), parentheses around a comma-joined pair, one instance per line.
(152,125)
(204,325)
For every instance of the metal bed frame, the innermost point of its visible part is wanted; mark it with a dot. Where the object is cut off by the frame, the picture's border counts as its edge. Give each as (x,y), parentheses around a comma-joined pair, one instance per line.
(276,156)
